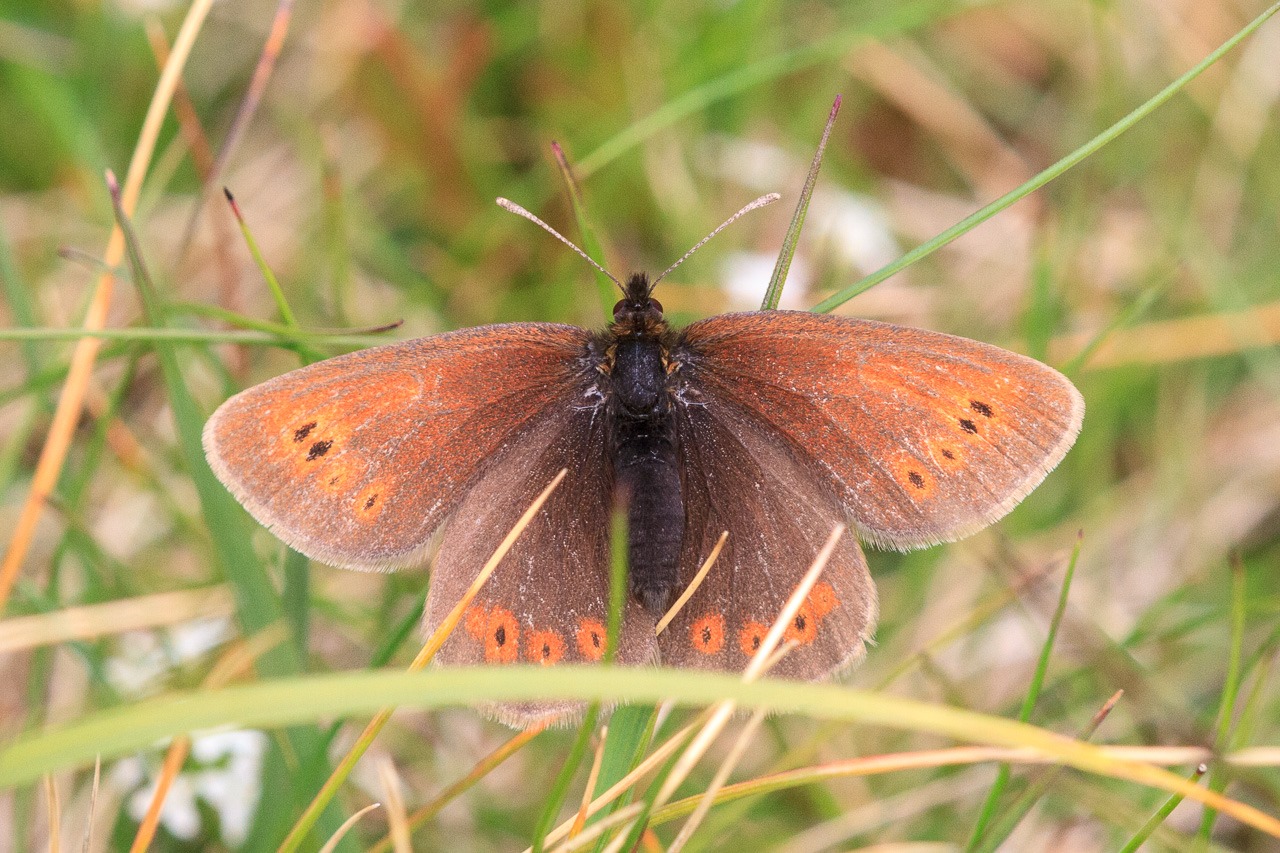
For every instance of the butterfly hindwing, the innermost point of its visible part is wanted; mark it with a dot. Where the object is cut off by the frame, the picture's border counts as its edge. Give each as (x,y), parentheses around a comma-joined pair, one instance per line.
(548,600)
(743,478)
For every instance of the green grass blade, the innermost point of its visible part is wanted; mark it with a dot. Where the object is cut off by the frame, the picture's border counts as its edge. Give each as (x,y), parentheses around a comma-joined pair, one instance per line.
(1137,308)
(153,334)
(773,295)
(295,599)
(1070,161)
(257,603)
(896,19)
(18,297)
(605,288)
(304,699)
(977,839)
(273,284)
(560,787)
(1153,823)
(631,730)
(641,821)
(1230,689)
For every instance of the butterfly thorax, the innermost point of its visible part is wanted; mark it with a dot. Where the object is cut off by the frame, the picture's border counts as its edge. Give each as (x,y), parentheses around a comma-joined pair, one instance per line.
(644,442)
(637,353)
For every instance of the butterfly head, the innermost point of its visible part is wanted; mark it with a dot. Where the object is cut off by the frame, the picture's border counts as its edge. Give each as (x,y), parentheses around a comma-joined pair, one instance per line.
(637,314)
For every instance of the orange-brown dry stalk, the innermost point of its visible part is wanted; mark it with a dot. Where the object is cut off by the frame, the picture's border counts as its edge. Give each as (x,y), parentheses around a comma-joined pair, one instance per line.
(70,403)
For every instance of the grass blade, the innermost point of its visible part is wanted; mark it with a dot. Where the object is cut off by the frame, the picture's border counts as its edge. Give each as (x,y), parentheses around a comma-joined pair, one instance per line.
(773,295)
(1028,705)
(1071,160)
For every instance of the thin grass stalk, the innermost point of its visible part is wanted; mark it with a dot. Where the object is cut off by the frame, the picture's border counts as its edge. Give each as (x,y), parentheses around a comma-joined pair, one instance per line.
(56,445)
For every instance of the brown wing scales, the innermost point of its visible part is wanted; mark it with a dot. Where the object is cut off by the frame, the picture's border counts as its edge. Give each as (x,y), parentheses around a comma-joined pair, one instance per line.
(354,461)
(548,600)
(741,478)
(924,437)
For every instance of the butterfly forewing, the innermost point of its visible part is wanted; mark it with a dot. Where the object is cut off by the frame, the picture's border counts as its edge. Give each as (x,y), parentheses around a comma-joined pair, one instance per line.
(974,428)
(354,461)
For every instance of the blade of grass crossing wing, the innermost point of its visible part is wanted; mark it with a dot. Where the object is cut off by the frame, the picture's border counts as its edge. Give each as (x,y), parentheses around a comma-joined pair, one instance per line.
(617,592)
(303,699)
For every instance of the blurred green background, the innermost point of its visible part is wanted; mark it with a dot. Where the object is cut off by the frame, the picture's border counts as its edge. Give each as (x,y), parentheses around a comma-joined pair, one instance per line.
(367,172)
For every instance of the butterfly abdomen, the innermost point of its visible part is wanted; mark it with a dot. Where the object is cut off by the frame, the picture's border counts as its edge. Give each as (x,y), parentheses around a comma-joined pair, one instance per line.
(646,468)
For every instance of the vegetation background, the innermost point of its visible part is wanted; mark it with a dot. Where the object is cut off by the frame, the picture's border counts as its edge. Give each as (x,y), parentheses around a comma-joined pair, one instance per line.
(366,169)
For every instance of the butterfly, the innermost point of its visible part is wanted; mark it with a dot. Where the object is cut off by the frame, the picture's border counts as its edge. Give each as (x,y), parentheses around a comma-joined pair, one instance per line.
(775,426)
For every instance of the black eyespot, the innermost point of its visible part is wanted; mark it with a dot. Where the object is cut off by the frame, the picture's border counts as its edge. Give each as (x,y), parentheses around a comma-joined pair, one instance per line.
(500,635)
(916,479)
(968,425)
(320,448)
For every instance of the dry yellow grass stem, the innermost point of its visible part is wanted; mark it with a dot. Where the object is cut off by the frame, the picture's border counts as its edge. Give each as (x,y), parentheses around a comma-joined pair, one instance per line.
(396,819)
(693,584)
(54,452)
(581,820)
(91,621)
(428,651)
(332,843)
(1183,339)
(482,769)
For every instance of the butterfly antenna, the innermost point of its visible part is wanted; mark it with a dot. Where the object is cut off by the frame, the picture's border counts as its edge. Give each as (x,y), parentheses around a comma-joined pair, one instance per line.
(760,202)
(507,204)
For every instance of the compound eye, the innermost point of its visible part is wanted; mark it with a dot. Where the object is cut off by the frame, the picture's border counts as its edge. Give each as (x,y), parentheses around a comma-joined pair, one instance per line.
(655,305)
(619,308)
